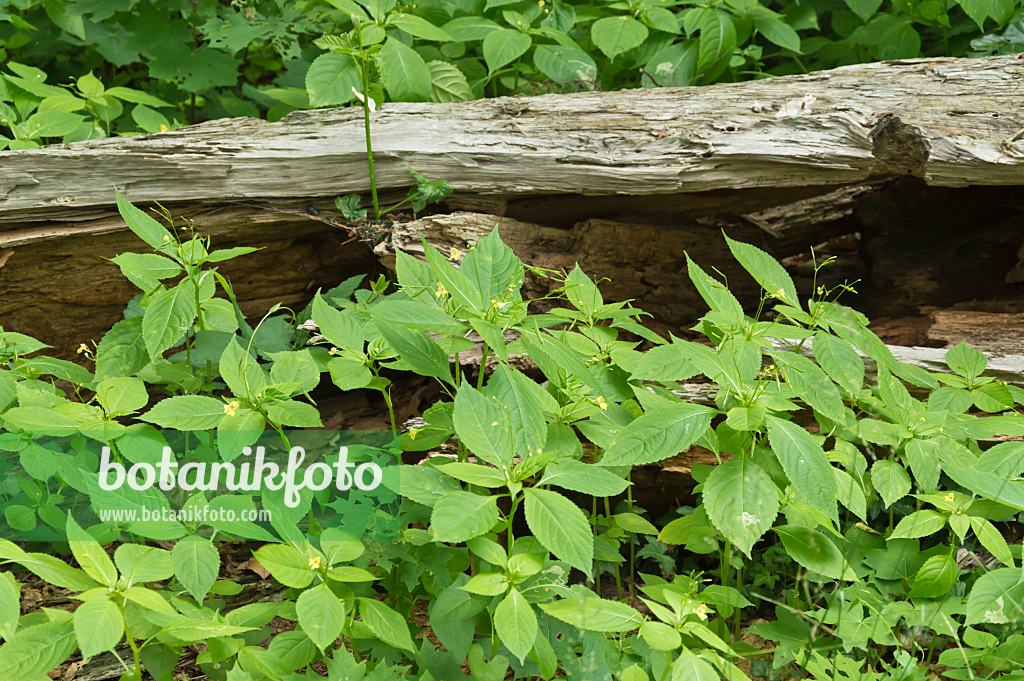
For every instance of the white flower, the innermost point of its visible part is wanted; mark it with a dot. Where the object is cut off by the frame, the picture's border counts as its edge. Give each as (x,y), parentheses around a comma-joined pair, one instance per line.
(359,95)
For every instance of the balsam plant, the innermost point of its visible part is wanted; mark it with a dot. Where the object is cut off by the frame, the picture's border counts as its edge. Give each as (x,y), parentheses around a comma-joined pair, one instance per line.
(849,483)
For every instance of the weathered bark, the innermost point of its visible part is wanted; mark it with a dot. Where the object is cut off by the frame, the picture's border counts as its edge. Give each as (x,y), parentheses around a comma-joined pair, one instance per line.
(953,122)
(991,332)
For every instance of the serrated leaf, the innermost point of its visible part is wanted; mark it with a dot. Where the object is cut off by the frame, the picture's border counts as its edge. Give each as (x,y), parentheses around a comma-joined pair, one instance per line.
(741,501)
(561,527)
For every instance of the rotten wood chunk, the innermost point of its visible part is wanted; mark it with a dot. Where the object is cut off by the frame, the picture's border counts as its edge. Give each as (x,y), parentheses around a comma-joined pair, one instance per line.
(993,333)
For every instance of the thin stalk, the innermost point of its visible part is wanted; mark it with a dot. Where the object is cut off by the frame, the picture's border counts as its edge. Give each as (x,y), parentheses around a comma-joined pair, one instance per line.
(615,566)
(137,674)
(632,539)
(366,128)
(597,563)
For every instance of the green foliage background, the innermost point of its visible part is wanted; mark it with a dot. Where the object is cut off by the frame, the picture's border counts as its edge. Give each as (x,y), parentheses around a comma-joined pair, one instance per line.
(92,68)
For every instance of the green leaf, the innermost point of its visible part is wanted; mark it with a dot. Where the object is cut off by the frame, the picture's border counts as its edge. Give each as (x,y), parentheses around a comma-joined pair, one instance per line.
(386,624)
(615,35)
(864,9)
(890,480)
(992,397)
(966,361)
(286,564)
(516,624)
(977,10)
(49,568)
(741,501)
(997,598)
(812,385)
(186,412)
(590,613)
(98,626)
(777,31)
(36,650)
(330,80)
(766,271)
(717,40)
(419,27)
(448,83)
(196,565)
(294,413)
(673,66)
(561,527)
(418,315)
(483,426)
(660,636)
(919,524)
(923,457)
(145,270)
(10,605)
(689,667)
(840,361)
(814,551)
(418,350)
(338,326)
(562,63)
(475,474)
(657,435)
(321,615)
(91,557)
(583,478)
(138,563)
(993,540)
(522,400)
(466,29)
(936,577)
(493,269)
(460,516)
(806,464)
(406,75)
(168,316)
(747,418)
(504,46)
(121,396)
(122,350)
(142,225)
(718,297)
(348,373)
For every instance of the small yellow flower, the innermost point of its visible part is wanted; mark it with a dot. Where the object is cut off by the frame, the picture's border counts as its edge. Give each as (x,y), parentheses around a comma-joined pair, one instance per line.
(498,304)
(441,290)
(314,563)
(701,611)
(950,498)
(82,348)
(780,294)
(412,433)
(454,254)
(231,407)
(494,425)
(333,351)
(601,403)
(166,238)
(163,127)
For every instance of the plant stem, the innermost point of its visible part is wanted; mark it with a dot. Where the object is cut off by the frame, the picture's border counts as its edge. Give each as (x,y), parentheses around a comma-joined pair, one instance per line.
(135,648)
(366,127)
(632,539)
(615,566)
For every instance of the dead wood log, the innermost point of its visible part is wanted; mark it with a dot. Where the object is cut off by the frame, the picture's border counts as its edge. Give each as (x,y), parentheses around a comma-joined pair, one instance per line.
(952,122)
(990,332)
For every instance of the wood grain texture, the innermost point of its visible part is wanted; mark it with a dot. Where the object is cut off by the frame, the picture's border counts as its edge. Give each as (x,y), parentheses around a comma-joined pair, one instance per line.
(949,121)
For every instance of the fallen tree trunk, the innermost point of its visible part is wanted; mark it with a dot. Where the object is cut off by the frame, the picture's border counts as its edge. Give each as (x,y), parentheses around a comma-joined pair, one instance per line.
(953,122)
(621,182)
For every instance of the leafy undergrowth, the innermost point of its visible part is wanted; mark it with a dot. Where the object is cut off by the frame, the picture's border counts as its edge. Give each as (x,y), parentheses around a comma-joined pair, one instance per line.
(860,519)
